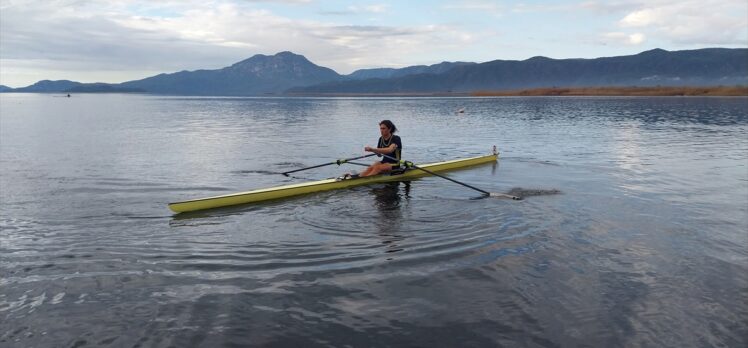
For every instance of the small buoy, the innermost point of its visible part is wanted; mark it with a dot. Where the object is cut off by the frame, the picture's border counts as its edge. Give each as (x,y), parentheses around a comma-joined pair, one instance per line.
(461,111)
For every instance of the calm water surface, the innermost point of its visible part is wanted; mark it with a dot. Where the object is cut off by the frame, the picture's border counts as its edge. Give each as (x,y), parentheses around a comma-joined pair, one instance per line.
(645,245)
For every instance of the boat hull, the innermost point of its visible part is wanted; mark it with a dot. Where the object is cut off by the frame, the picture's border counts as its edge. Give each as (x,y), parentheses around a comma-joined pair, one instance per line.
(285,191)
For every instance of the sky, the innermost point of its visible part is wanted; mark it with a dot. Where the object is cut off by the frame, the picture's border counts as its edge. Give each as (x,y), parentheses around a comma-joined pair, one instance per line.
(121,40)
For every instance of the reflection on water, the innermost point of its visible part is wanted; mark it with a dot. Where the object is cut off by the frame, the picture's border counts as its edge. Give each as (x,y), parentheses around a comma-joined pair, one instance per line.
(389,203)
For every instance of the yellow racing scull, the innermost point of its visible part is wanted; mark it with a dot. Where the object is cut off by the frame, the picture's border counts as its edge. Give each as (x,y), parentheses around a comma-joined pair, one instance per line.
(284,191)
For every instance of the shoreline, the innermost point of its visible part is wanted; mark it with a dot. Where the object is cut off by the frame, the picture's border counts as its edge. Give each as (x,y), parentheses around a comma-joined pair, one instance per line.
(713,91)
(719,91)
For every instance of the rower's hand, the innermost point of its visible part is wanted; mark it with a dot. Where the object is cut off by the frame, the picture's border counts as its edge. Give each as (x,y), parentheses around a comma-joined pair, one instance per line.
(368,149)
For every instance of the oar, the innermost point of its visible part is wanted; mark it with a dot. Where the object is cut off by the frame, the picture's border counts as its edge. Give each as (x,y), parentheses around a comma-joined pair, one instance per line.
(488,194)
(338,162)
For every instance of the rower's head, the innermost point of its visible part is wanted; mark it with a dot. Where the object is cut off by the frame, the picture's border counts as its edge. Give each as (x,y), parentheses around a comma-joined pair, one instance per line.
(386,127)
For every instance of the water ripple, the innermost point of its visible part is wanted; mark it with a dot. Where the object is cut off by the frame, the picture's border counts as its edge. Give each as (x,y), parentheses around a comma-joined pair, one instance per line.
(632,233)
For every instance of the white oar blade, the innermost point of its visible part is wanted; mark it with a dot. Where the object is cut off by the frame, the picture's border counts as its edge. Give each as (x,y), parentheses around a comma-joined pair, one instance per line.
(503,195)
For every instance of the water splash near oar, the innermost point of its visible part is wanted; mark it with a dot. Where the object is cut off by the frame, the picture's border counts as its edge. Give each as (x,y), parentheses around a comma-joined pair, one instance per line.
(524,192)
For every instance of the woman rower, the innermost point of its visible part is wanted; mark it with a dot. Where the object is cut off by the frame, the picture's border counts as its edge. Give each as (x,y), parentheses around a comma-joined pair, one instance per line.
(389,144)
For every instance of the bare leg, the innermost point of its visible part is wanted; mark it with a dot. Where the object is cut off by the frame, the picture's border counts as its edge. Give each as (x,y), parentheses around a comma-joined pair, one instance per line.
(368,170)
(376,168)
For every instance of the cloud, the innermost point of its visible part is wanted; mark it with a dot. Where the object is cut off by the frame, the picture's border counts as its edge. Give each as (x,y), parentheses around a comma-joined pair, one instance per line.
(539,8)
(79,37)
(126,35)
(484,6)
(636,38)
(378,8)
(496,9)
(675,23)
(357,10)
(689,22)
(611,7)
(622,38)
(640,18)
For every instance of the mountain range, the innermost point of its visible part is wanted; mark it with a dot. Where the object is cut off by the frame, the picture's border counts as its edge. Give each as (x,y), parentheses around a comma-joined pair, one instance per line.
(289,73)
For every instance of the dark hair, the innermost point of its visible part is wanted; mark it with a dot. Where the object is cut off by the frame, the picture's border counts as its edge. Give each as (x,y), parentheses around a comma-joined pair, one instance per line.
(389,125)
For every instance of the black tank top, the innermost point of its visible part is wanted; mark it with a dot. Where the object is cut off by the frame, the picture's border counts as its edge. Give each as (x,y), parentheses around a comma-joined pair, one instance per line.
(394,139)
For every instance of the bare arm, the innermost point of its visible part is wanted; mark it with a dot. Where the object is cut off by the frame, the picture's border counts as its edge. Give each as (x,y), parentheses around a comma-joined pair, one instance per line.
(382,150)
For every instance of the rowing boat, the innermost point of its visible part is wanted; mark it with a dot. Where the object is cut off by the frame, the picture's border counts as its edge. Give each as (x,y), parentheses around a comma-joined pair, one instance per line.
(323,185)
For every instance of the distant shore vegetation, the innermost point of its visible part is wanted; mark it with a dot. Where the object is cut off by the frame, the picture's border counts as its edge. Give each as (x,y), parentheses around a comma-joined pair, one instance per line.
(620,91)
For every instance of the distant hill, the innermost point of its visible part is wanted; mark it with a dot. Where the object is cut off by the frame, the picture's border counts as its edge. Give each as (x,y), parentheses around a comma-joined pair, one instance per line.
(66,86)
(259,74)
(47,86)
(703,67)
(286,72)
(386,73)
(101,88)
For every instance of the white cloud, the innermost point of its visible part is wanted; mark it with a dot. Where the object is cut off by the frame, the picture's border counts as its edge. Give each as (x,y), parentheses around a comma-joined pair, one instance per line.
(691,22)
(640,18)
(636,38)
(485,6)
(355,10)
(378,8)
(623,38)
(498,9)
(611,7)
(127,35)
(543,7)
(675,24)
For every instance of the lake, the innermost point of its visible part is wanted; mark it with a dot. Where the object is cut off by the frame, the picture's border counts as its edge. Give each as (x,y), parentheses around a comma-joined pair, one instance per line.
(632,231)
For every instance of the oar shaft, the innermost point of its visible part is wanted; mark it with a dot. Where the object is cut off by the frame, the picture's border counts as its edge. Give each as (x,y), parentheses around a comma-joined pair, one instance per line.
(452,180)
(307,168)
(442,176)
(338,162)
